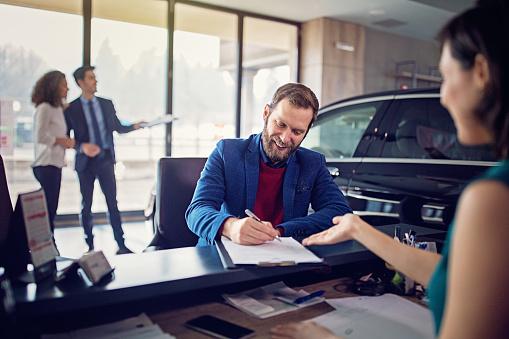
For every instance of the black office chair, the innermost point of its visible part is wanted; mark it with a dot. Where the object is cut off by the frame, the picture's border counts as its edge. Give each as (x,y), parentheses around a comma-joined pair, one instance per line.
(176,182)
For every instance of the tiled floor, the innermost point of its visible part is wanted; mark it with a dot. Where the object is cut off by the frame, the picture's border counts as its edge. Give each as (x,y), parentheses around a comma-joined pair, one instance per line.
(71,242)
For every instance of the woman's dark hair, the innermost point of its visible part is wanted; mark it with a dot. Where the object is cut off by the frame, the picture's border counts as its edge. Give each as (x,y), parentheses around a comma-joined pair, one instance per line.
(47,89)
(298,95)
(484,30)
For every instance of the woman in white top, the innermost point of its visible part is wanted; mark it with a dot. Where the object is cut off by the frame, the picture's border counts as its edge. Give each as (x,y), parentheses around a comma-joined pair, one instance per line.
(51,138)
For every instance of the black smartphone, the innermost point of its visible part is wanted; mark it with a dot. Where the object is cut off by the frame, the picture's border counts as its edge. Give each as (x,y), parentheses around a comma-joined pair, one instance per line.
(219,328)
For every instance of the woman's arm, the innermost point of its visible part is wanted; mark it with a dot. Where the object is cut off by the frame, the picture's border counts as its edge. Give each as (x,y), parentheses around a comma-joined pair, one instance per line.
(415,263)
(477,301)
(42,118)
(66,142)
(42,131)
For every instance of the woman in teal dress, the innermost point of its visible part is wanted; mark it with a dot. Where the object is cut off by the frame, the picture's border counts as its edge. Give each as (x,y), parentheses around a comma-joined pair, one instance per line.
(468,282)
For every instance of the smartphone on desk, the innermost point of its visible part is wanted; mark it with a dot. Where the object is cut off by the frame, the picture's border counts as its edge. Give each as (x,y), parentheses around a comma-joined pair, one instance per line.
(219,328)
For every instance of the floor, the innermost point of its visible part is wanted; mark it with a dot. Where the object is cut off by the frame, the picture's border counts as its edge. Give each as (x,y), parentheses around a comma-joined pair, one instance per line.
(71,242)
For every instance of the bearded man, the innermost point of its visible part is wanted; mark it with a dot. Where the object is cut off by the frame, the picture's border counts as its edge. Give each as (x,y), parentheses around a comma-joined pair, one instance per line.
(269,174)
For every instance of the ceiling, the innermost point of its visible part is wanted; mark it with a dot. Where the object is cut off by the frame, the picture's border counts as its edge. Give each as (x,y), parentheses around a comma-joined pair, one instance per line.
(420,19)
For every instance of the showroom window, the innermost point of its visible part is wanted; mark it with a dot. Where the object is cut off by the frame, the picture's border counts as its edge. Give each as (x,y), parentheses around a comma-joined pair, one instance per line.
(204,68)
(269,61)
(33,42)
(129,50)
(197,79)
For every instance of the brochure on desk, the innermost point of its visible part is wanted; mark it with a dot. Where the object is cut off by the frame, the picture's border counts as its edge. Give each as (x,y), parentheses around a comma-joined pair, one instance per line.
(283,252)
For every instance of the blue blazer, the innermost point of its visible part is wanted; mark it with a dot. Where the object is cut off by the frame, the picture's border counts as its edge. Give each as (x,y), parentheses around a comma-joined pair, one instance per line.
(75,119)
(229,182)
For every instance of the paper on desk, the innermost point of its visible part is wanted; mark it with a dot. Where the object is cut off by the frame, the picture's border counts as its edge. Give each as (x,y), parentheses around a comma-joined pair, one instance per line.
(130,328)
(270,300)
(286,250)
(387,316)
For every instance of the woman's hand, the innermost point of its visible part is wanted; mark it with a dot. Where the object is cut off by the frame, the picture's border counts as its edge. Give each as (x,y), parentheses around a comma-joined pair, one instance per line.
(69,143)
(345,229)
(304,330)
(65,142)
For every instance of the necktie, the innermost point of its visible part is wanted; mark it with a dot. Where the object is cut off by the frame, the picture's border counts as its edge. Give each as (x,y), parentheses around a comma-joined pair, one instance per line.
(95,126)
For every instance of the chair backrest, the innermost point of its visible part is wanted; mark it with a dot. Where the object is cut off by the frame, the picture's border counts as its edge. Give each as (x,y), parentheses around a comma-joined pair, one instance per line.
(176,182)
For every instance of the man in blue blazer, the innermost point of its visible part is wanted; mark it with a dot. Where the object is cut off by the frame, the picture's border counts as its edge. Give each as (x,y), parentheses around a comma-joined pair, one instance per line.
(270,175)
(93,121)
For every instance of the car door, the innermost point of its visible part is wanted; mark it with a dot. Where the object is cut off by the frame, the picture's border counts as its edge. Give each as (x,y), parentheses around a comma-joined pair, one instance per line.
(415,173)
(343,133)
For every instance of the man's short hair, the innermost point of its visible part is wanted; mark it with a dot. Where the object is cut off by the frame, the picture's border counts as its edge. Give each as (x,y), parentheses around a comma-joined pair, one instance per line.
(79,74)
(297,95)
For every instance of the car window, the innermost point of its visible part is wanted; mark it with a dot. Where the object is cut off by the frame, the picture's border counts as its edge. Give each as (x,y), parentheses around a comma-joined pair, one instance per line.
(424,129)
(336,134)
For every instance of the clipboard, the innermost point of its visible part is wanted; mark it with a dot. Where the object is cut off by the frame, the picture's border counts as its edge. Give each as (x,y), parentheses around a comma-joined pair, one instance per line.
(287,251)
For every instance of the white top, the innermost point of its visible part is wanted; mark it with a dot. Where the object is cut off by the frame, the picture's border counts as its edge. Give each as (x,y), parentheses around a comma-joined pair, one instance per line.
(49,124)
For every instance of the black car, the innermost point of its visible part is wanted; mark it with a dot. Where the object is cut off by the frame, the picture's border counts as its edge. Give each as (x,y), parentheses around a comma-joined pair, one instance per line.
(396,157)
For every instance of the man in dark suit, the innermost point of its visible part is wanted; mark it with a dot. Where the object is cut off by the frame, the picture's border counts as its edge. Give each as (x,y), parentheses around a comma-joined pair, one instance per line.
(93,121)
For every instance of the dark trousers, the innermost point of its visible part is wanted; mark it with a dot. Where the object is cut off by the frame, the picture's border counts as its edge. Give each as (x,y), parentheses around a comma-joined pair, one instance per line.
(50,178)
(101,168)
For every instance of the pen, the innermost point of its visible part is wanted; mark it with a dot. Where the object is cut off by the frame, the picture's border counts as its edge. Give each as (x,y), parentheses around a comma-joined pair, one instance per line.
(252,215)
(397,233)
(308,297)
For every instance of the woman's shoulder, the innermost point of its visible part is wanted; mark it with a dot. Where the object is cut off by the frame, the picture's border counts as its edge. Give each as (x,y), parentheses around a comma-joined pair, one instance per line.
(497,173)
(489,193)
(47,107)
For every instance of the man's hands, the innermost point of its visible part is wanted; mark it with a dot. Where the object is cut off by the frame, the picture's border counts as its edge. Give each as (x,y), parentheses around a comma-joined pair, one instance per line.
(137,125)
(248,231)
(90,149)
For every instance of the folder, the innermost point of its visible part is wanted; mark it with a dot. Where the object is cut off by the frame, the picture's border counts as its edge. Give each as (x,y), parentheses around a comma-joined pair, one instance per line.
(162,120)
(287,252)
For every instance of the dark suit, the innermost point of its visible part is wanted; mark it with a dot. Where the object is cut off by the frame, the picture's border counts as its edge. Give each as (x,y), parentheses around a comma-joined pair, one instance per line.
(100,166)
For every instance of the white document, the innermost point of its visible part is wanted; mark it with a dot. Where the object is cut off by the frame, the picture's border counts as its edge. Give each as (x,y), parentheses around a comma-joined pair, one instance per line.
(287,251)
(270,300)
(130,328)
(387,316)
(162,120)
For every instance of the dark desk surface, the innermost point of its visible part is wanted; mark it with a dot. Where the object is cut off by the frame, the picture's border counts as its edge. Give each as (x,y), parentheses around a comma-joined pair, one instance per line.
(172,274)
(173,321)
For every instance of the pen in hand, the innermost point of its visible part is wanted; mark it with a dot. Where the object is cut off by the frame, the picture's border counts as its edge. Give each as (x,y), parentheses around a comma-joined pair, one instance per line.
(252,215)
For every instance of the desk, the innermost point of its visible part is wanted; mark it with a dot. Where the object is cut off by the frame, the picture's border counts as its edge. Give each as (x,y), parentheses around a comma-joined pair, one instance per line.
(174,277)
(173,321)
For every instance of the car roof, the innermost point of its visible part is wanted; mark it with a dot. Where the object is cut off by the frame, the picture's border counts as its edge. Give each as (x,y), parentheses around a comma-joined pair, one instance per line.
(393,93)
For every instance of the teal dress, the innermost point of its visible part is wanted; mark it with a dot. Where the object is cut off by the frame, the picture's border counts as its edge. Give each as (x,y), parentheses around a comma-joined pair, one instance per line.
(437,289)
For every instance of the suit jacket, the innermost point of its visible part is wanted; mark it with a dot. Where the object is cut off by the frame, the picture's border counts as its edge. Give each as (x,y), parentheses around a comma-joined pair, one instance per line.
(75,119)
(229,182)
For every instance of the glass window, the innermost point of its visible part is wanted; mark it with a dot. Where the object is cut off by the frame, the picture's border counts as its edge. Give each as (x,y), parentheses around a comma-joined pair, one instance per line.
(424,129)
(33,42)
(204,68)
(269,61)
(336,134)
(129,50)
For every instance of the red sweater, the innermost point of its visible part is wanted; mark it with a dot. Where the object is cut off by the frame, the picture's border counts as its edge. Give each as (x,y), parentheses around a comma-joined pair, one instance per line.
(269,195)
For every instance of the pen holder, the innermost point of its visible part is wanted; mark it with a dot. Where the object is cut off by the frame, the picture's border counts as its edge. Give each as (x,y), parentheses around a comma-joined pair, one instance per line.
(402,285)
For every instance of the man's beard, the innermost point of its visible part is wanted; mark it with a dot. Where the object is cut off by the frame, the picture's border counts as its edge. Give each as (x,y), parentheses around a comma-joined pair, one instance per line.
(275,155)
